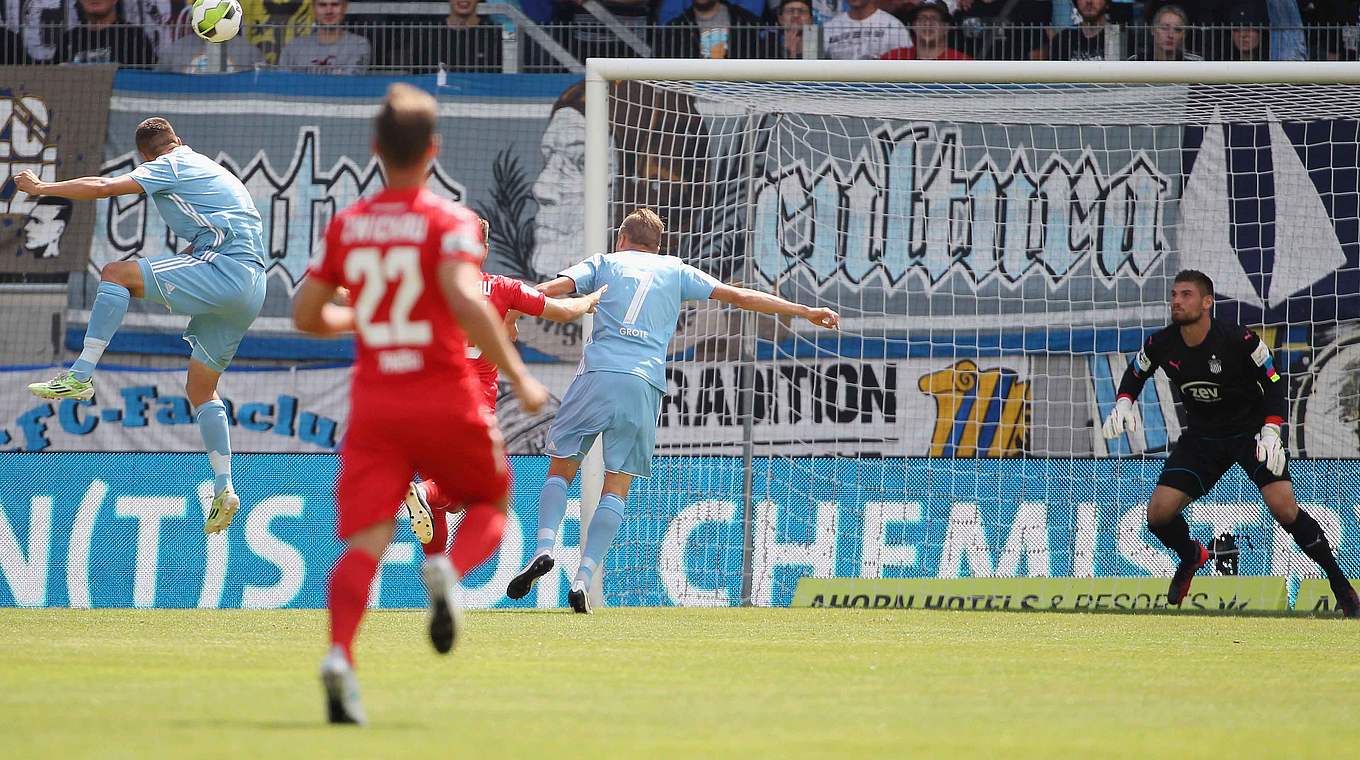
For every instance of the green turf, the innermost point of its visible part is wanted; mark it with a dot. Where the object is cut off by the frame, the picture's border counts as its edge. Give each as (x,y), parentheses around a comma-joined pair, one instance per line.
(684,683)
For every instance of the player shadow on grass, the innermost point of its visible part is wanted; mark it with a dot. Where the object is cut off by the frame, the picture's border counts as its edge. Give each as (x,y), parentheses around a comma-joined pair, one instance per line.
(298,724)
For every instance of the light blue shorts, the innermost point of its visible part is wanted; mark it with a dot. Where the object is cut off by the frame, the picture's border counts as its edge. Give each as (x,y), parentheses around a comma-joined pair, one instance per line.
(221,295)
(621,407)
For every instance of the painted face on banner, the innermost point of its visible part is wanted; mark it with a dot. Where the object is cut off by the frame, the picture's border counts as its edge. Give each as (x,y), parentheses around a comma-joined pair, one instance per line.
(559,226)
(44,227)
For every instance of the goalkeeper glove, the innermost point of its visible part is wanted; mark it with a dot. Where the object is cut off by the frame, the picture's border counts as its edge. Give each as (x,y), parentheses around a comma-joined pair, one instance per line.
(1270,449)
(1121,420)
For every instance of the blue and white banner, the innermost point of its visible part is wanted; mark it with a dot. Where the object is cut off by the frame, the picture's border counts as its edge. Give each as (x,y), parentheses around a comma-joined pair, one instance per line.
(272,410)
(104,530)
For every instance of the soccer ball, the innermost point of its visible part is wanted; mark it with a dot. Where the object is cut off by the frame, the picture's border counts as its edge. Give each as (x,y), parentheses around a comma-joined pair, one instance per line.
(216,20)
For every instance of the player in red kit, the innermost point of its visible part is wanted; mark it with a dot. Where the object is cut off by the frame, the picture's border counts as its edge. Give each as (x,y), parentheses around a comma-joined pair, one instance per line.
(412,262)
(427,504)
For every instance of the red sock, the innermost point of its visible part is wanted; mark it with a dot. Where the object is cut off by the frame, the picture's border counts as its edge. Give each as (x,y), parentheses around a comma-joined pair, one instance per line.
(440,540)
(478,537)
(350,580)
(433,496)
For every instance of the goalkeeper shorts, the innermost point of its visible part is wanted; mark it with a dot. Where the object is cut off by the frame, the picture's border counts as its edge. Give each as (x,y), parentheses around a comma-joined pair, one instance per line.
(1197,462)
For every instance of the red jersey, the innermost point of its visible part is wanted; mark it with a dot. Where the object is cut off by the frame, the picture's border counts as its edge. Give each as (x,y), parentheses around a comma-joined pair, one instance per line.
(387,250)
(505,294)
(909,54)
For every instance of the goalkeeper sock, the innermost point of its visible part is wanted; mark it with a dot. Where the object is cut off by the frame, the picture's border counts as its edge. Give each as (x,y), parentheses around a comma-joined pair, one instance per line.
(552,507)
(106,315)
(434,496)
(1175,535)
(439,537)
(604,525)
(478,537)
(211,417)
(1310,538)
(348,597)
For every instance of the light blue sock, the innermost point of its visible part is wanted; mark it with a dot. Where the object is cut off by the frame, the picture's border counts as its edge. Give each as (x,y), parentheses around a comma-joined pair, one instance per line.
(603,527)
(110,304)
(552,507)
(212,423)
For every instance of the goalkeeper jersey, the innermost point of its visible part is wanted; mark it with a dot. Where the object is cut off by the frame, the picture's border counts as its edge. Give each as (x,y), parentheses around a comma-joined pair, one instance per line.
(1227,383)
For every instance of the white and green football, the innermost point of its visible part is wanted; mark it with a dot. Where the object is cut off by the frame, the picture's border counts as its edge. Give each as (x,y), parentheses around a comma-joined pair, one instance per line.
(216,20)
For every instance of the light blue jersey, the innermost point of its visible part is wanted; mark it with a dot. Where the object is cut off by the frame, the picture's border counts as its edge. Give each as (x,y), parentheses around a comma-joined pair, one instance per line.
(204,204)
(637,316)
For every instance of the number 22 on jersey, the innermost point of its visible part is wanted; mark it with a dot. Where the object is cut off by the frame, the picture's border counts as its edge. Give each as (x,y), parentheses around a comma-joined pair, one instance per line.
(379,270)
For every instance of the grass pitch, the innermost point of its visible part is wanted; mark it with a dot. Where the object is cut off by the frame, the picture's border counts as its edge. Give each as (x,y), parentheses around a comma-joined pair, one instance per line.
(649,683)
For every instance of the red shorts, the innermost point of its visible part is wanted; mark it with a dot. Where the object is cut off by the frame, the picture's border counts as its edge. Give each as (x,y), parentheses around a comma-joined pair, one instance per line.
(461,449)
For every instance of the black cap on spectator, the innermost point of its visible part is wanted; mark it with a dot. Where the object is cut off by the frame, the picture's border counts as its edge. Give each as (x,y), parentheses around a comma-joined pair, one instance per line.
(1246,16)
(939,6)
(783,3)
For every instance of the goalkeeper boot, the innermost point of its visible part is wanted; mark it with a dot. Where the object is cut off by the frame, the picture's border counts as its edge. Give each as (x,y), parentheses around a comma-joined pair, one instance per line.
(519,586)
(1185,573)
(418,509)
(446,617)
(65,385)
(342,690)
(579,599)
(224,506)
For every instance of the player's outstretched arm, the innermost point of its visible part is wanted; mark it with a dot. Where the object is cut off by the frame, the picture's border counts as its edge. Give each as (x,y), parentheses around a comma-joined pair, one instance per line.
(82,189)
(315,313)
(557,287)
(572,309)
(767,303)
(461,282)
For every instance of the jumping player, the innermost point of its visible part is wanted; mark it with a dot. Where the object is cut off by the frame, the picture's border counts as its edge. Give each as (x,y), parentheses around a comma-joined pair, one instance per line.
(428,505)
(618,389)
(1230,389)
(412,261)
(220,283)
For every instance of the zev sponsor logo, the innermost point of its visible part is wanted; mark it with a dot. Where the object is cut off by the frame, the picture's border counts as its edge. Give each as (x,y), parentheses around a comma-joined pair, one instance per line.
(1202,391)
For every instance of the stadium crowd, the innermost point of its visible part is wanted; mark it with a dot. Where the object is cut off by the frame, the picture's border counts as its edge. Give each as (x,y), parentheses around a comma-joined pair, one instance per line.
(343,37)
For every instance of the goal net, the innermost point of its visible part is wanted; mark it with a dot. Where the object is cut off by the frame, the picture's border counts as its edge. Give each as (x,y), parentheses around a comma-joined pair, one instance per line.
(998,242)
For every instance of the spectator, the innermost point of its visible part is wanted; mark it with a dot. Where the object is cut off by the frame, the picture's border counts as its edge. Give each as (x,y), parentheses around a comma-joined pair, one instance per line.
(930,26)
(1331,28)
(156,18)
(272,24)
(863,32)
(191,55)
(713,29)
(1085,42)
(822,10)
(1206,34)
(794,17)
(1168,37)
(589,38)
(103,37)
(12,51)
(464,42)
(1003,29)
(329,49)
(670,10)
(1247,41)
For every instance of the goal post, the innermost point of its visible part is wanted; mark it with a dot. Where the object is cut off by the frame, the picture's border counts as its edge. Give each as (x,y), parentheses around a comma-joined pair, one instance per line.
(999,238)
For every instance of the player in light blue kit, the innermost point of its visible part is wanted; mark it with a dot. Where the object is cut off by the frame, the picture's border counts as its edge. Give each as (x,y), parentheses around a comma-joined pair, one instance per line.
(618,387)
(219,281)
